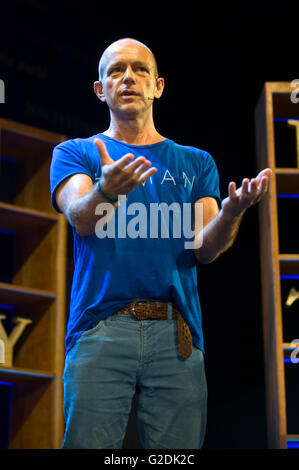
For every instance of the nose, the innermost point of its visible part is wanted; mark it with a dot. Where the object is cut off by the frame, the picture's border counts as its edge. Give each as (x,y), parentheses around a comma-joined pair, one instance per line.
(129,76)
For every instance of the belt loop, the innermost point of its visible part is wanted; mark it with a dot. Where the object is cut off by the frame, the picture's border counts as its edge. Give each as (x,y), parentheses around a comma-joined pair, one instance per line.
(170,307)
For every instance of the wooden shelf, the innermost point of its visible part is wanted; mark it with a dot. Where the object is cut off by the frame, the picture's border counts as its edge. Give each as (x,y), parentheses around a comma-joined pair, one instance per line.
(27,131)
(17,218)
(17,375)
(287,171)
(289,346)
(11,294)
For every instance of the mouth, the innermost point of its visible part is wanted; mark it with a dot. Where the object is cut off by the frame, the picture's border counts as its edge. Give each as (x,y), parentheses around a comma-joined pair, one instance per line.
(129,93)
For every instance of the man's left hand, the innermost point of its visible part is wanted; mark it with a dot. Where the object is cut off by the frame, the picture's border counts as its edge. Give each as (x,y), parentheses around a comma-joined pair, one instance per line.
(249,193)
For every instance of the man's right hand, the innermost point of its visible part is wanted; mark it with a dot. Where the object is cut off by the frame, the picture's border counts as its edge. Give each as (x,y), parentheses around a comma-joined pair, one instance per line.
(124,175)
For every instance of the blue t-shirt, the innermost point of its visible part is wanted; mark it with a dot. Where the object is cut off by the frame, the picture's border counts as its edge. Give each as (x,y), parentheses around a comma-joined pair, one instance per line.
(143,251)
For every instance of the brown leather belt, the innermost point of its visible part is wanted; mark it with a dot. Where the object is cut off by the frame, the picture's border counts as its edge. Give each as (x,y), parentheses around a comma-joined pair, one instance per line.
(144,309)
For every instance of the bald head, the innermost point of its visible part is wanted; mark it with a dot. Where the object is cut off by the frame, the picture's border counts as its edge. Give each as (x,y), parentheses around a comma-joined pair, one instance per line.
(125,43)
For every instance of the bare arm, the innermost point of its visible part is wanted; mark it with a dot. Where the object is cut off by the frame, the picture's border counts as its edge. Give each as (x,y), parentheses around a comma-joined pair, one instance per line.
(220,228)
(78,197)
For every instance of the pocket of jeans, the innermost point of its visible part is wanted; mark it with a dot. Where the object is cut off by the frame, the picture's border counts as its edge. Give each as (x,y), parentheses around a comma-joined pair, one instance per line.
(94,328)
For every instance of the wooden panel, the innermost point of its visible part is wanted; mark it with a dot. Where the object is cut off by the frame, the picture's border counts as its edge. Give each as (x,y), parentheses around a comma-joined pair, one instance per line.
(283,107)
(33,152)
(289,264)
(59,333)
(32,172)
(269,249)
(36,245)
(36,347)
(32,417)
(35,258)
(287,180)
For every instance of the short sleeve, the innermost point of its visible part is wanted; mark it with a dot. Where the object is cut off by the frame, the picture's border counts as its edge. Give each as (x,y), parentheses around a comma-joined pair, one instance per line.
(208,181)
(67,160)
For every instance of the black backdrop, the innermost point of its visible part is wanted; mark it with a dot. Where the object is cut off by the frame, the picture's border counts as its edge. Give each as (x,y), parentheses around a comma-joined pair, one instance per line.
(215,61)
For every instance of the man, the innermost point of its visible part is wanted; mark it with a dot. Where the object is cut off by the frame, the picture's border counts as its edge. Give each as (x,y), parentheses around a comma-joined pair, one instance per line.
(135,316)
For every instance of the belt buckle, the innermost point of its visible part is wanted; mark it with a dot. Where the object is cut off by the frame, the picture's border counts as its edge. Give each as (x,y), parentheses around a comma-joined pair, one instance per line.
(139,315)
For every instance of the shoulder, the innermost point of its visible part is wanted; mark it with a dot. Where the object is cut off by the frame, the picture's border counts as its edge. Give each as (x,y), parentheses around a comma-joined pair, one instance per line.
(77,144)
(81,151)
(190,150)
(193,155)
(79,155)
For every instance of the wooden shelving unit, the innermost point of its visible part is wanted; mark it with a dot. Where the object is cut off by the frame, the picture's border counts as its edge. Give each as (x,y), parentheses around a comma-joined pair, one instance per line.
(274,105)
(37,290)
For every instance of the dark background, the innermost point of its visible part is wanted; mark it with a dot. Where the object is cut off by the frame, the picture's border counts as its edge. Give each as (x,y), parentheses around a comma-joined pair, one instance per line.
(215,61)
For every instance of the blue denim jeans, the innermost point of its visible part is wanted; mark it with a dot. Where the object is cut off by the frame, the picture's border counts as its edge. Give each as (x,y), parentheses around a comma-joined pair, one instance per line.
(122,356)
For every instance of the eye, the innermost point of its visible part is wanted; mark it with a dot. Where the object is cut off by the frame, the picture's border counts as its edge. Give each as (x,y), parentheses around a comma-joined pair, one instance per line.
(115,71)
(142,68)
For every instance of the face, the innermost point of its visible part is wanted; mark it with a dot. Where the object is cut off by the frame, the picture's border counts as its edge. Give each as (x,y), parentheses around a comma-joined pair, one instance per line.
(129,78)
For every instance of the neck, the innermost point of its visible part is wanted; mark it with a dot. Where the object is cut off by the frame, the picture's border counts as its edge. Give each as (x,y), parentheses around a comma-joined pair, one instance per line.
(133,131)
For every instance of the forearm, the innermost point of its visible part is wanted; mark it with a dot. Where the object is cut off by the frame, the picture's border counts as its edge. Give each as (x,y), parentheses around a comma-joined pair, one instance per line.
(84,212)
(218,236)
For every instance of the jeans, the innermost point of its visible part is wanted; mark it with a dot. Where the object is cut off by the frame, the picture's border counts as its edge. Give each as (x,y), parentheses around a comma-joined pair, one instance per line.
(122,356)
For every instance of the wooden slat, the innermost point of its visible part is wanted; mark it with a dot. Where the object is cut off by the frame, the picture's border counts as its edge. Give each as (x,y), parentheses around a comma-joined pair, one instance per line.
(30,131)
(59,330)
(270,272)
(289,257)
(289,346)
(23,375)
(278,87)
(11,294)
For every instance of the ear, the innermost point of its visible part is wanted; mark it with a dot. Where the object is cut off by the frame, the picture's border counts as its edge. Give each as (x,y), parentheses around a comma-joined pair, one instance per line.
(159,87)
(98,89)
